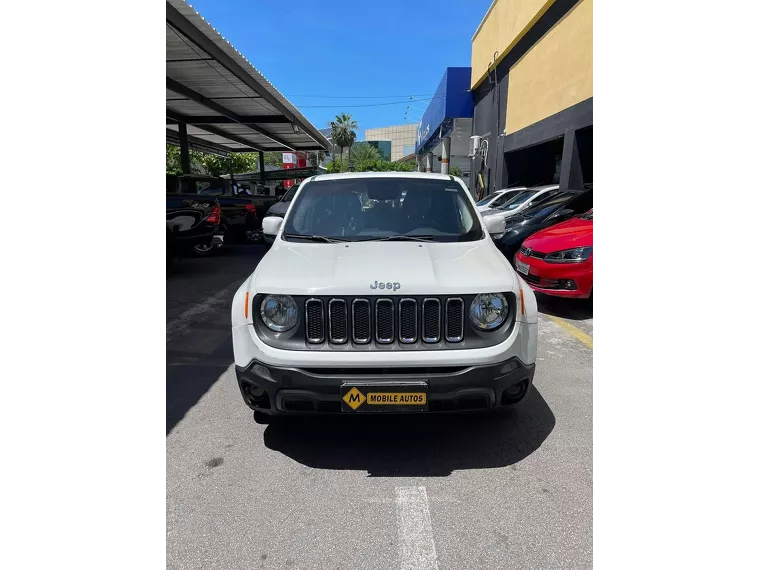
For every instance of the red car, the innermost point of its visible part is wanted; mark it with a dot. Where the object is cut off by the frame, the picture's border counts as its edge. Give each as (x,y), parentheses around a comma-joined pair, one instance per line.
(559,260)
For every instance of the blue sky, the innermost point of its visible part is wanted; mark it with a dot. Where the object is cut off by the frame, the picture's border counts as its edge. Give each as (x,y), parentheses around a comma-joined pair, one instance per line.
(338,48)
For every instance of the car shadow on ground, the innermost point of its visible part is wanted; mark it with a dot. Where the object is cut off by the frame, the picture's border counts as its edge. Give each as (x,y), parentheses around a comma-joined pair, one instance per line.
(414,445)
(187,382)
(573,309)
(199,346)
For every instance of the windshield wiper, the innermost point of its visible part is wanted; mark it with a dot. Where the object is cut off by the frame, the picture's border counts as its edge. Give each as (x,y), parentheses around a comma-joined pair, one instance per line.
(403,238)
(323,239)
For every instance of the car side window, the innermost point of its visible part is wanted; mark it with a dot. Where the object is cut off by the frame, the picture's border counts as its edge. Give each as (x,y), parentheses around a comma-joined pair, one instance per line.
(544,197)
(501,200)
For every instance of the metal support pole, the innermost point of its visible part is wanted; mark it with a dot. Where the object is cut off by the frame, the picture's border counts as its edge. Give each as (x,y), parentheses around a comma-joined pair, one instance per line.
(184,148)
(428,162)
(445,159)
(571,170)
(261,169)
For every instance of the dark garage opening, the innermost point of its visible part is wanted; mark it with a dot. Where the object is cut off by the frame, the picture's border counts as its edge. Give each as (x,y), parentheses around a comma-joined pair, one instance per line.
(584,139)
(535,165)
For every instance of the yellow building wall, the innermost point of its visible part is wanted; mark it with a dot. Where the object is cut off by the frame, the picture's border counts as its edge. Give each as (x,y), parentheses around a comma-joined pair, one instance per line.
(502,27)
(556,73)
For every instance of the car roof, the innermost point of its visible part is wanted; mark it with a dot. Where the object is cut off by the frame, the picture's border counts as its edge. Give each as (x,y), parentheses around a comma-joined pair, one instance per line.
(359,175)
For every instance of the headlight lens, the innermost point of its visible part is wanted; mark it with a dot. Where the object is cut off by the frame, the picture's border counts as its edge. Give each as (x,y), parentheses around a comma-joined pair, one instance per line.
(279,312)
(576,255)
(489,311)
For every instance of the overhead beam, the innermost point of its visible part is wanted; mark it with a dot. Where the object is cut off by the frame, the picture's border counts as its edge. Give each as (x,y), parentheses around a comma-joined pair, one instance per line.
(235,138)
(247,119)
(184,26)
(177,87)
(172,137)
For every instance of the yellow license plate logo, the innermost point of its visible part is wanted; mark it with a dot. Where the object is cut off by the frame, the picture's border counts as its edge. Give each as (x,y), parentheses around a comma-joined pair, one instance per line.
(354,398)
(396,398)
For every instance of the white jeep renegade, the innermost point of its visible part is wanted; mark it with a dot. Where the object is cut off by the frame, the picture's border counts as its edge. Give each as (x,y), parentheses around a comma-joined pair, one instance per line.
(383,292)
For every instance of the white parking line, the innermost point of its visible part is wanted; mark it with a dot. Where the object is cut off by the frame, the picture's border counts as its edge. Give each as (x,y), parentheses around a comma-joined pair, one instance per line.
(416,546)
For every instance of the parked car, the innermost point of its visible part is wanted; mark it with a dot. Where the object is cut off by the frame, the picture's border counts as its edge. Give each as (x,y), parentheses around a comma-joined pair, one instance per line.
(239,218)
(384,309)
(521,202)
(498,198)
(280,209)
(191,222)
(560,207)
(559,260)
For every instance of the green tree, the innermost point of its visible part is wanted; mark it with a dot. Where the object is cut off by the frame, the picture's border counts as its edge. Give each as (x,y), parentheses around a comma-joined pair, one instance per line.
(363,153)
(272,159)
(455,171)
(174,161)
(210,164)
(214,165)
(343,133)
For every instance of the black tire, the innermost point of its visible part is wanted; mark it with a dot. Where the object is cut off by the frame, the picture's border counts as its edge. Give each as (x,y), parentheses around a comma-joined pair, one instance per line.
(204,250)
(261,418)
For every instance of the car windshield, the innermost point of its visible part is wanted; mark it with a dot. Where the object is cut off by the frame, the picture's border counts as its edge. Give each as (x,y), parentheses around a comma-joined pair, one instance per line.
(545,208)
(518,200)
(365,209)
(288,197)
(486,200)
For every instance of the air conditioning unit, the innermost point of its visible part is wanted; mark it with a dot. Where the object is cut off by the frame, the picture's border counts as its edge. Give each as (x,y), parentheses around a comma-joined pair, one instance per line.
(474,145)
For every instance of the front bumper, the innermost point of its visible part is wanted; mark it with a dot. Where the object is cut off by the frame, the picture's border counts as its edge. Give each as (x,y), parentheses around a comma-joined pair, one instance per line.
(278,390)
(546,277)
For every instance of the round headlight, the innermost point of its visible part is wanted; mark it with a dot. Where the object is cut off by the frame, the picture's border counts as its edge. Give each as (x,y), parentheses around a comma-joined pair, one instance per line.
(489,311)
(279,312)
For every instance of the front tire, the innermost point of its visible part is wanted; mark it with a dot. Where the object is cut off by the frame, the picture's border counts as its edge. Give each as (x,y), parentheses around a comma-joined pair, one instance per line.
(205,250)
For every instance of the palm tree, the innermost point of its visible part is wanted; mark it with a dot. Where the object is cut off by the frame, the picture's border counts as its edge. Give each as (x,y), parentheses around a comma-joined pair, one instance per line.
(343,133)
(362,154)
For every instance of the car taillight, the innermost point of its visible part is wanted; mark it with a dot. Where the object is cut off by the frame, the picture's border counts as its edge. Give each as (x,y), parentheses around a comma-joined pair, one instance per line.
(250,208)
(215,216)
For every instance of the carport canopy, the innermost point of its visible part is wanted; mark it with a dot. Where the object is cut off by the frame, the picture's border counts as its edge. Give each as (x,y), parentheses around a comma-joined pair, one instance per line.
(217,102)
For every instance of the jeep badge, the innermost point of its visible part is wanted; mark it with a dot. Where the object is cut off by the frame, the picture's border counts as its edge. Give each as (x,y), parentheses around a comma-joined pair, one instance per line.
(394,286)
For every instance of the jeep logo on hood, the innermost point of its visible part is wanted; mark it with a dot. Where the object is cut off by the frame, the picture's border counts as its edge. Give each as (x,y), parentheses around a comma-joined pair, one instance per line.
(394,286)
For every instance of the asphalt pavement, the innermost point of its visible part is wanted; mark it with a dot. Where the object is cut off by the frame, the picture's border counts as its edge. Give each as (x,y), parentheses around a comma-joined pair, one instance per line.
(414,492)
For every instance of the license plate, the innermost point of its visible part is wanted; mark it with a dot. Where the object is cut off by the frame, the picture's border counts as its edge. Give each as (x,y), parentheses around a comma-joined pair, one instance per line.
(393,397)
(523,268)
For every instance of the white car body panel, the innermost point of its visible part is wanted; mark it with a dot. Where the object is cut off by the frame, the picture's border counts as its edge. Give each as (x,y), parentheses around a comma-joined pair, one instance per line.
(498,194)
(297,268)
(503,214)
(420,268)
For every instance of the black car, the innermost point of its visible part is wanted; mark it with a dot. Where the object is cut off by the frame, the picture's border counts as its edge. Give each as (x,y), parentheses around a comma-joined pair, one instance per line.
(240,213)
(562,206)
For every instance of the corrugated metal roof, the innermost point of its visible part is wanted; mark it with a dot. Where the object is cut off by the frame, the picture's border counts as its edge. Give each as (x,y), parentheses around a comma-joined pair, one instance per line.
(221,97)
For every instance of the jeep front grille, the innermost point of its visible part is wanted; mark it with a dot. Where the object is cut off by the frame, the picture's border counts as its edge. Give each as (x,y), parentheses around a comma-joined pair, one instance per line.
(431,320)
(338,321)
(362,321)
(385,320)
(454,319)
(407,319)
(315,320)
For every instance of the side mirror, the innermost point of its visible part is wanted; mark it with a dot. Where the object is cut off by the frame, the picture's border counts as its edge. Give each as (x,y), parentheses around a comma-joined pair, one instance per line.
(494,225)
(271,225)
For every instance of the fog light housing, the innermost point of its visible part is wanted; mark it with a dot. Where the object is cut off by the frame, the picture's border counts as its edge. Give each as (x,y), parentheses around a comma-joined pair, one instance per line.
(514,393)
(568,284)
(261,371)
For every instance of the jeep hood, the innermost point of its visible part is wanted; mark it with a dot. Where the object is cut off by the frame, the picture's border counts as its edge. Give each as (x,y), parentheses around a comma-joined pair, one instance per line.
(350,268)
